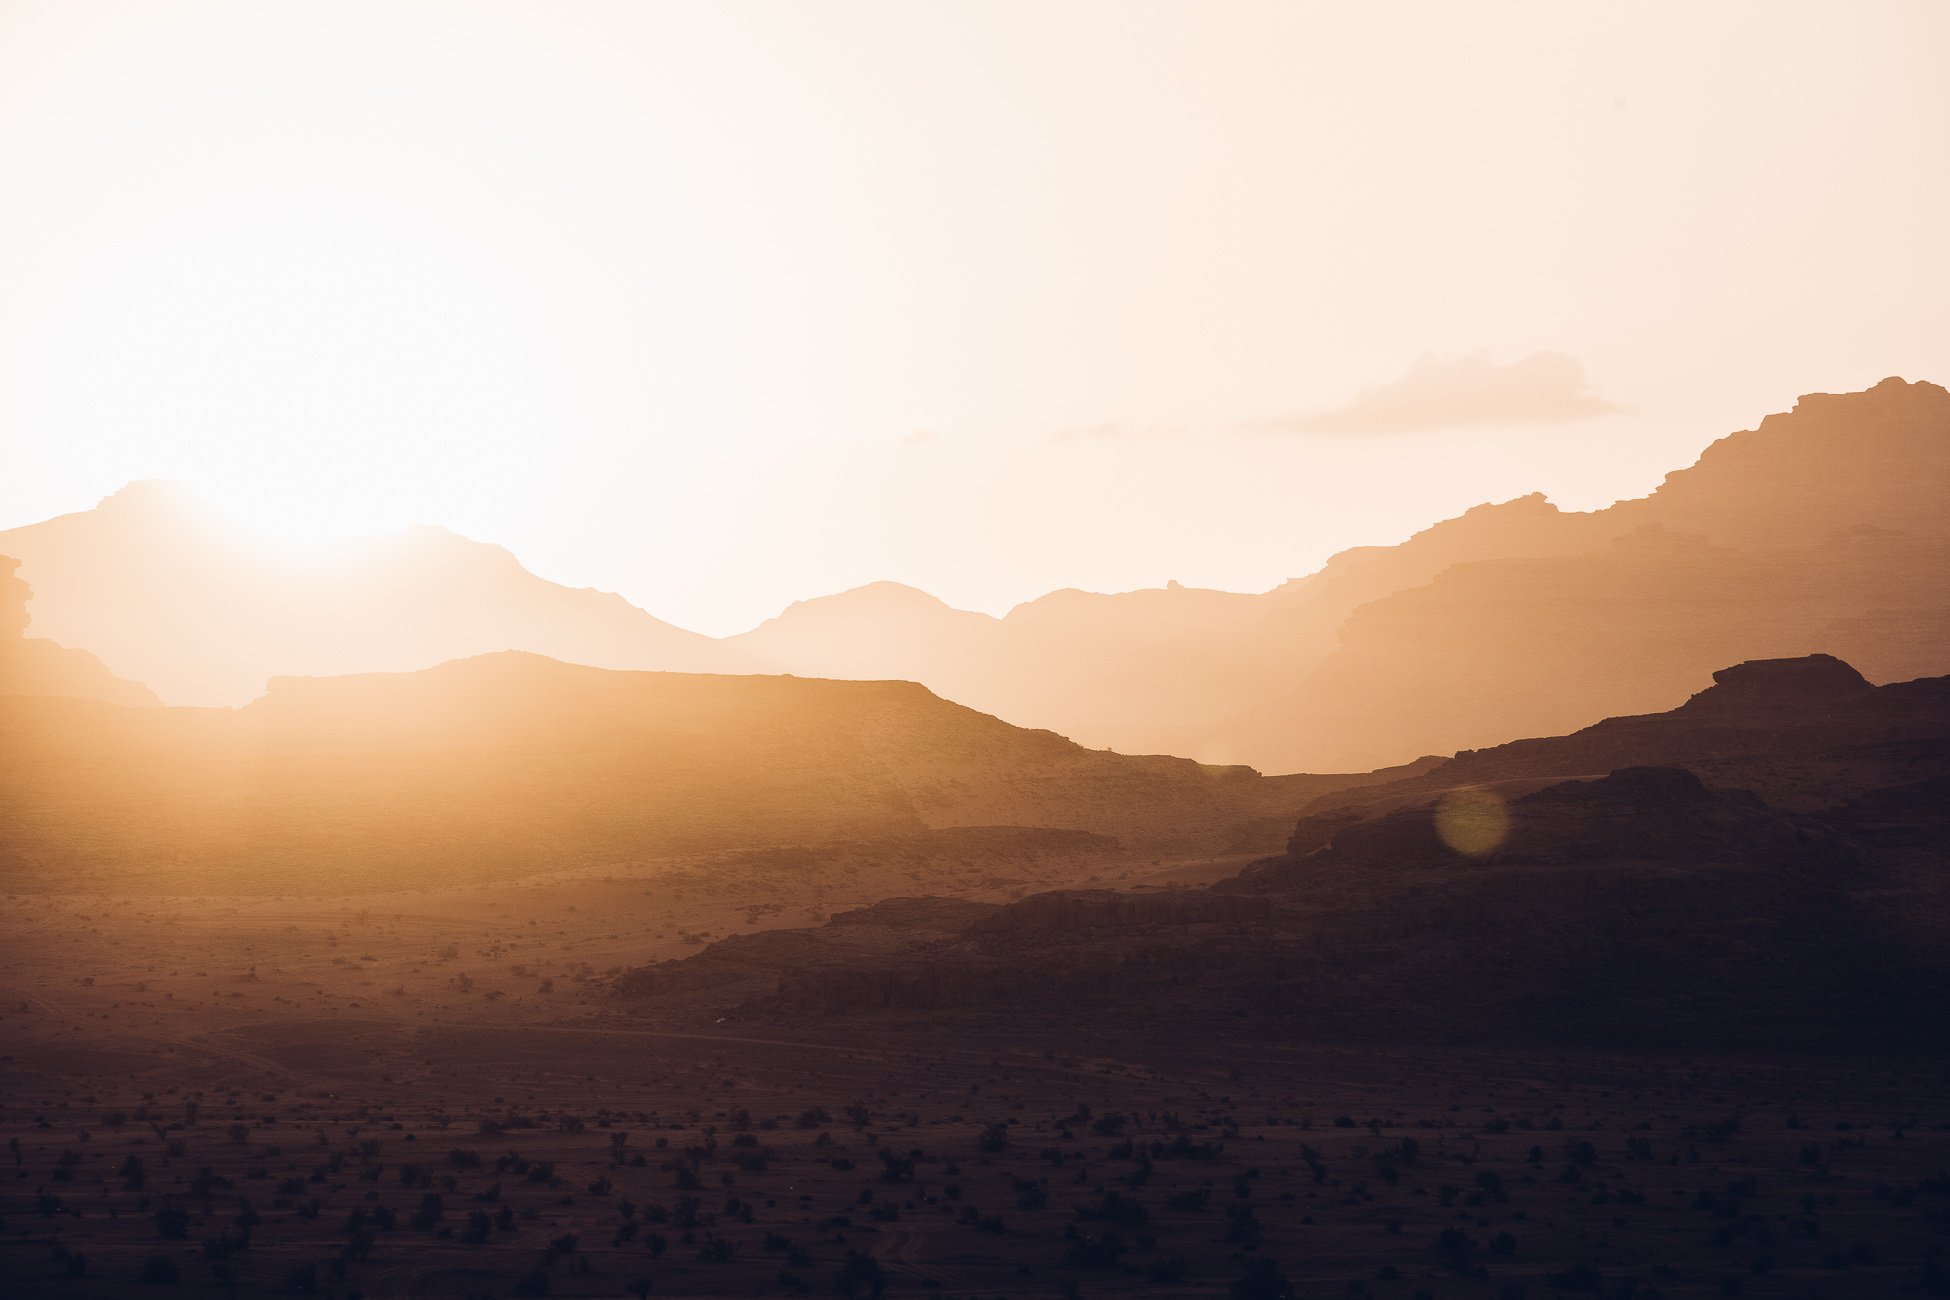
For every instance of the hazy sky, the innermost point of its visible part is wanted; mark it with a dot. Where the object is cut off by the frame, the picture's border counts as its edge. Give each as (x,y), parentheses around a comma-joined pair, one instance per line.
(724,305)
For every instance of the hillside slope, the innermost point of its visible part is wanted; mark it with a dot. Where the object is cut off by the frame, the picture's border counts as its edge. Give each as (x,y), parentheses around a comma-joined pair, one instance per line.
(1141,671)
(37,666)
(1639,905)
(1819,530)
(155,583)
(1808,734)
(512,763)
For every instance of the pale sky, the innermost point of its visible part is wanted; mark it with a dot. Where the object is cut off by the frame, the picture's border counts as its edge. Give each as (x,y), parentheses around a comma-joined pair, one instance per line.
(726,305)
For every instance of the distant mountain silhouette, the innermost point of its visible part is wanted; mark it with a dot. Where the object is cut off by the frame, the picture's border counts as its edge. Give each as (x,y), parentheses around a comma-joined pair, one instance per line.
(34,666)
(1820,529)
(511,763)
(1139,671)
(1764,725)
(153,582)
(1126,671)
(1809,735)
(1639,904)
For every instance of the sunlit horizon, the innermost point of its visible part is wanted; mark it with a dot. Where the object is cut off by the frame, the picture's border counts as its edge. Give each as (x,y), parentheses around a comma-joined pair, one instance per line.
(722,313)
(985,648)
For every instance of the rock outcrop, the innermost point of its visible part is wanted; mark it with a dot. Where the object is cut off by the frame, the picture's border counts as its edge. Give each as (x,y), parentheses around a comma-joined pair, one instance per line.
(1820,531)
(1806,733)
(1812,685)
(33,666)
(1624,905)
(1651,815)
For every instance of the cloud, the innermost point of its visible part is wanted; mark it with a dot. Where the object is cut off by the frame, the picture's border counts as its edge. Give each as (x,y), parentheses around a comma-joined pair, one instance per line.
(1460,392)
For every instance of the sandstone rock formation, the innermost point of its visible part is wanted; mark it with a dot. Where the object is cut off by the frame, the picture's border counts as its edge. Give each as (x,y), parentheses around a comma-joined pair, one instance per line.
(1638,904)
(35,666)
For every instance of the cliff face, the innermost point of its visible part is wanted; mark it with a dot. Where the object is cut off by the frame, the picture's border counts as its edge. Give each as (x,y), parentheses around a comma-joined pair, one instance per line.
(1837,465)
(32,666)
(14,595)
(1805,733)
(1486,898)
(1718,920)
(1652,815)
(1820,531)
(1812,686)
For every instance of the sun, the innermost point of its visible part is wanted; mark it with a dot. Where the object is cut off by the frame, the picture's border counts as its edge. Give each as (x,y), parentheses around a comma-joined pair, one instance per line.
(316,523)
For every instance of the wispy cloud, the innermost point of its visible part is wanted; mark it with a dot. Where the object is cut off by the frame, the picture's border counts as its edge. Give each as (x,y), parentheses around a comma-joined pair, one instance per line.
(1459,392)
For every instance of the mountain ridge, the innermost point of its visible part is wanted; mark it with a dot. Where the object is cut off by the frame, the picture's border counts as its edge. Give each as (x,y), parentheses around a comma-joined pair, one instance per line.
(488,767)
(163,591)
(1641,903)
(1817,529)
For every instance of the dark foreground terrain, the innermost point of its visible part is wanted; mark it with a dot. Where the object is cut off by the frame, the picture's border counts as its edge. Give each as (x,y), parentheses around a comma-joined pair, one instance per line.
(1762,868)
(1653,1009)
(356,1153)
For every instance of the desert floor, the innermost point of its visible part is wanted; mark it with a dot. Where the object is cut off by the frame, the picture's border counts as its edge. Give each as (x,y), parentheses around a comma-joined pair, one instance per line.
(425,1093)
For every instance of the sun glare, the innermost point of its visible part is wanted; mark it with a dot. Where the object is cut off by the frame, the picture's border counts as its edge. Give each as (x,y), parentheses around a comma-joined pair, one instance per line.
(274,520)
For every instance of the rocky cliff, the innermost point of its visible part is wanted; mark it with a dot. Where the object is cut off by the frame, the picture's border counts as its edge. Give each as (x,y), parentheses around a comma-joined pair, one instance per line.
(1638,904)
(34,666)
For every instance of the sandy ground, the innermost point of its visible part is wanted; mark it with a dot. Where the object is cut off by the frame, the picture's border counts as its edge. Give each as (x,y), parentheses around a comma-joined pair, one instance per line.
(422,1094)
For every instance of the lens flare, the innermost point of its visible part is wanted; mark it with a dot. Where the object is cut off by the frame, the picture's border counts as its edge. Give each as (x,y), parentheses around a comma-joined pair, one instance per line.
(1472,822)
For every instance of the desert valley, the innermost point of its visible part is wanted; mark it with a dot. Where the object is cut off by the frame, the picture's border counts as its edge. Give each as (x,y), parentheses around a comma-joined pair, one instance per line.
(1241,650)
(514,976)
